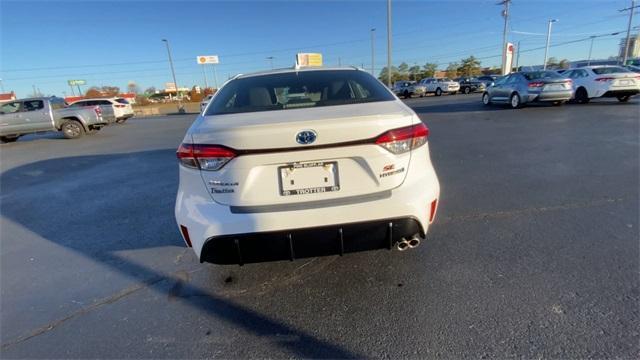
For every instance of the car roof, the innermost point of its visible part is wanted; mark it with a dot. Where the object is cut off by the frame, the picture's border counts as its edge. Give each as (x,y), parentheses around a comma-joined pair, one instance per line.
(294,70)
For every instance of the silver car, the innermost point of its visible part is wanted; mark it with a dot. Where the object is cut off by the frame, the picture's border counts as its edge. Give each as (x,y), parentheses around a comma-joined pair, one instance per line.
(525,87)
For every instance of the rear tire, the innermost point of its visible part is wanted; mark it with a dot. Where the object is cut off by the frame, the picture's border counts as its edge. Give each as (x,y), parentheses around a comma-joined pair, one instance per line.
(72,129)
(623,98)
(581,96)
(467,90)
(514,101)
(9,139)
(486,99)
(438,92)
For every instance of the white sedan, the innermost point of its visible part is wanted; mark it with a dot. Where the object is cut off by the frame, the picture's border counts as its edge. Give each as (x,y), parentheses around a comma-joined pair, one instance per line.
(303,162)
(603,81)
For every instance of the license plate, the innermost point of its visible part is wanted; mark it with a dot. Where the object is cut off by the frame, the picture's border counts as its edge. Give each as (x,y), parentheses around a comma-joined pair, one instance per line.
(555,87)
(624,82)
(308,178)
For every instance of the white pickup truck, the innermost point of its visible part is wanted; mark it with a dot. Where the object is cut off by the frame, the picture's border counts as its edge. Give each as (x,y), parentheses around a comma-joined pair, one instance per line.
(26,116)
(438,86)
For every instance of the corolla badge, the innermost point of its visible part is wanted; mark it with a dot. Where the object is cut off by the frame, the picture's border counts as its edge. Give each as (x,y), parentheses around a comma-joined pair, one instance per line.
(306,137)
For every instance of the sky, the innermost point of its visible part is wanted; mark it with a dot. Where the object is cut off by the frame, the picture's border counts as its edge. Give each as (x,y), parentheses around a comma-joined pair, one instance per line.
(116,42)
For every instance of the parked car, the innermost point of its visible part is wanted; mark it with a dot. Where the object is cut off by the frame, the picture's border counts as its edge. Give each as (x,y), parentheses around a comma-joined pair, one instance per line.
(121,107)
(205,102)
(287,161)
(633,68)
(603,81)
(469,85)
(108,113)
(487,80)
(32,115)
(407,89)
(438,86)
(517,89)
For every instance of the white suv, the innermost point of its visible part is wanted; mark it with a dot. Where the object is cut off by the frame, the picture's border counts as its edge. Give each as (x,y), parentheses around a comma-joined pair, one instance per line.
(121,107)
(304,162)
(438,86)
(603,81)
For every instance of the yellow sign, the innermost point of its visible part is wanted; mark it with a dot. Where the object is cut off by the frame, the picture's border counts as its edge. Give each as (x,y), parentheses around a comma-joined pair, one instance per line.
(208,59)
(308,59)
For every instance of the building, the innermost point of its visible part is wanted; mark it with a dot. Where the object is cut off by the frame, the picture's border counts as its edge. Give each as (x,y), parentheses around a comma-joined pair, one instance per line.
(634,46)
(4,97)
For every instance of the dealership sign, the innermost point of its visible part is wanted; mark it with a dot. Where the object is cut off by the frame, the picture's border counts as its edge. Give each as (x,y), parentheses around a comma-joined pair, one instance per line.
(508,59)
(207,59)
(76,82)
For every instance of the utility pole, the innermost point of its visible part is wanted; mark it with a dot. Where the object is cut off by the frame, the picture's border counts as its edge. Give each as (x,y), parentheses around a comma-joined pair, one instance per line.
(505,14)
(626,45)
(270,58)
(517,55)
(590,50)
(546,48)
(339,61)
(373,32)
(389,43)
(34,91)
(215,75)
(173,73)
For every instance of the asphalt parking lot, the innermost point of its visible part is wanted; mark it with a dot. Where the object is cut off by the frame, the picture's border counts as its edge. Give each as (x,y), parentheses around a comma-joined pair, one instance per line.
(534,252)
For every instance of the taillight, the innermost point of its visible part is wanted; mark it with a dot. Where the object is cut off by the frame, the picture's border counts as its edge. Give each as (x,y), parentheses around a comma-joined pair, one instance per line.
(98,110)
(185,235)
(434,207)
(204,157)
(401,140)
(603,79)
(536,84)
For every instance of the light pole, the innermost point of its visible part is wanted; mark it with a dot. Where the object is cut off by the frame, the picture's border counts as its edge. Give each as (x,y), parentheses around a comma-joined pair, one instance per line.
(173,73)
(373,32)
(270,58)
(505,14)
(546,48)
(389,43)
(590,50)
(626,44)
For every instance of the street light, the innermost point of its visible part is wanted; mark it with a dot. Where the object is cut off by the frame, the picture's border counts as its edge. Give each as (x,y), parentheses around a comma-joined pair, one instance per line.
(173,73)
(590,49)
(546,49)
(373,31)
(270,58)
(389,43)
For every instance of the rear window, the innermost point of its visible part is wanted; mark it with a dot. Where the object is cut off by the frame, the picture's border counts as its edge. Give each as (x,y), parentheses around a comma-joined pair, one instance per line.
(609,70)
(540,75)
(122,101)
(295,90)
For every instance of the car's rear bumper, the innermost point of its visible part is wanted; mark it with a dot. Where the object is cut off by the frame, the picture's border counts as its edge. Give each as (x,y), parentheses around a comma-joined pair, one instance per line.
(545,96)
(290,244)
(213,227)
(621,92)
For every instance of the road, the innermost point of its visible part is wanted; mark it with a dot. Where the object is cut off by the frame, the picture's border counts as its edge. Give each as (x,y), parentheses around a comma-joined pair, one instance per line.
(534,252)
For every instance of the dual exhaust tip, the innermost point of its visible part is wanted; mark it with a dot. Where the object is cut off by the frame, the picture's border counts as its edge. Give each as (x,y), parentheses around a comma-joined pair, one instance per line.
(405,244)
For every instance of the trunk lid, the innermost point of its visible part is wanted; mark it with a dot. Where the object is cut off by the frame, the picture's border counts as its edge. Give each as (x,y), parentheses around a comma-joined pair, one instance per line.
(273,168)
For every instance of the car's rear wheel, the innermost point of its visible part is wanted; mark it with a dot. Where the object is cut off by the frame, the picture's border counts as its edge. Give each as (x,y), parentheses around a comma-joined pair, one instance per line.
(581,96)
(624,98)
(486,99)
(467,90)
(514,102)
(72,129)
(438,92)
(8,139)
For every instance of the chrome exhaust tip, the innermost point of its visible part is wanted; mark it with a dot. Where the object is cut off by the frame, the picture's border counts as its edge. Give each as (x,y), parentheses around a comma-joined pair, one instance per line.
(414,241)
(402,245)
